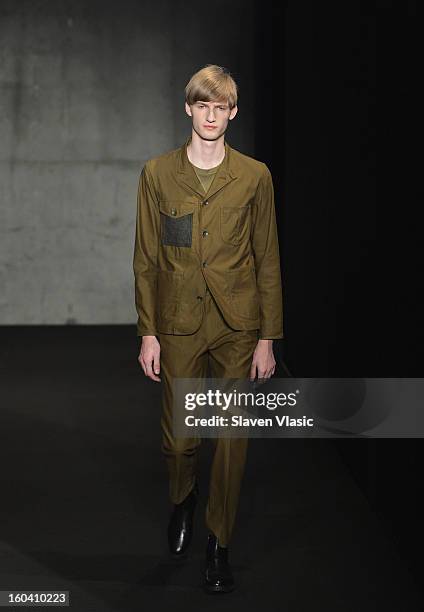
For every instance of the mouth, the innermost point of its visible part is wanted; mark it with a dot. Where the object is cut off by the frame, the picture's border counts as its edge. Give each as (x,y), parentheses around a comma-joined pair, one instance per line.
(210,127)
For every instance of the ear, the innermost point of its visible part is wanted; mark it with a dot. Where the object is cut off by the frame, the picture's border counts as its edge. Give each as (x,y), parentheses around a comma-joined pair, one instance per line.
(233,113)
(188,109)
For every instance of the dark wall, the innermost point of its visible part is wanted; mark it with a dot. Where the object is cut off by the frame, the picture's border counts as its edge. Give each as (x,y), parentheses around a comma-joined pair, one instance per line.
(316,78)
(351,305)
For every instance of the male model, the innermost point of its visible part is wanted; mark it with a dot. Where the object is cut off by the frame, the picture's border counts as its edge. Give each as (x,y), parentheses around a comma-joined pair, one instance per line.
(208,290)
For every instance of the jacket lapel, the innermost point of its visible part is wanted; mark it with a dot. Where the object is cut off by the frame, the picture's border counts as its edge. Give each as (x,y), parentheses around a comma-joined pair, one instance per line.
(188,176)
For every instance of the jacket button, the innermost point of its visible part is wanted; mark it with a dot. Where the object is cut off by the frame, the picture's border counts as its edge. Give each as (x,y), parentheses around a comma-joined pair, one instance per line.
(199,297)
(204,264)
(205,233)
(204,203)
(173,211)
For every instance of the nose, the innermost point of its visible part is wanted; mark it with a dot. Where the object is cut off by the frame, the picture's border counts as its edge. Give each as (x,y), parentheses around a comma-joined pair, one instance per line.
(211,116)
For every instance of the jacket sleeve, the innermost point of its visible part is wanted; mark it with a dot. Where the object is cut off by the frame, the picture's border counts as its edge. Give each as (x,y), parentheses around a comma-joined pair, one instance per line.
(267,259)
(146,254)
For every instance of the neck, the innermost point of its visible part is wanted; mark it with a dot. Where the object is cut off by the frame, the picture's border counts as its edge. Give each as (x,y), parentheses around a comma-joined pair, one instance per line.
(205,154)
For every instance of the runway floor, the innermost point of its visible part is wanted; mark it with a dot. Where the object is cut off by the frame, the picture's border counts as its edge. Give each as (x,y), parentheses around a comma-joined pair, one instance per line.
(84,498)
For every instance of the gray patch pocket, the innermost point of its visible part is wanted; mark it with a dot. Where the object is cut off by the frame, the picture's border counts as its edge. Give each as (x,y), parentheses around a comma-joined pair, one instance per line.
(176,226)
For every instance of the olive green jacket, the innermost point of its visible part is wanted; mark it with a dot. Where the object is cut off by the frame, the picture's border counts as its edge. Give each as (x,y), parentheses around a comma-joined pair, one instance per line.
(187,241)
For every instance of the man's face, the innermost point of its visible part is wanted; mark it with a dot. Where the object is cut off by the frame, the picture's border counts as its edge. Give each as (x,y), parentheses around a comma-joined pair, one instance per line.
(210,119)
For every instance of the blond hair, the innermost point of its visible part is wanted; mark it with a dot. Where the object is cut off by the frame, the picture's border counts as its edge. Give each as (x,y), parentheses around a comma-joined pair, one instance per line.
(211,83)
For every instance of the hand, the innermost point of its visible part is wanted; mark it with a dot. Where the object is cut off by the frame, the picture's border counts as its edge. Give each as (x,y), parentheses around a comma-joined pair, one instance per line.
(263,360)
(150,354)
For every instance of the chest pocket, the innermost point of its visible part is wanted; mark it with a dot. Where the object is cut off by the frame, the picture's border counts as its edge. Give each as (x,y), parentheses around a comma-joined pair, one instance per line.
(235,223)
(176,223)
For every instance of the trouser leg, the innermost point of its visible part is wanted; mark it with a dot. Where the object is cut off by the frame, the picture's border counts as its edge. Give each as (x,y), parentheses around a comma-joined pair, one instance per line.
(230,354)
(181,357)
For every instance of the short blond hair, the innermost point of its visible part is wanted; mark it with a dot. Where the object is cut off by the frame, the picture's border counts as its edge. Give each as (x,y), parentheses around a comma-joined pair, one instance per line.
(211,83)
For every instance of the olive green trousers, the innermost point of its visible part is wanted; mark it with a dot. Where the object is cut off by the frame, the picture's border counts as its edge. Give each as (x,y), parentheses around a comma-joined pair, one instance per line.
(228,353)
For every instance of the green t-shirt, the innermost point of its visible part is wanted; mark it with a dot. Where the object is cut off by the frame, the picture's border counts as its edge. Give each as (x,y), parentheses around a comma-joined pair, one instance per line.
(206,176)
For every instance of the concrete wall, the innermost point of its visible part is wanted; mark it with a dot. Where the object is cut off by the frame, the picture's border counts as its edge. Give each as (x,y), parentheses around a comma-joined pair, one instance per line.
(89,91)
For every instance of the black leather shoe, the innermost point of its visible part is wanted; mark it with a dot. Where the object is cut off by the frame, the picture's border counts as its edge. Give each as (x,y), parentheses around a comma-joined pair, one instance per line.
(180,526)
(218,574)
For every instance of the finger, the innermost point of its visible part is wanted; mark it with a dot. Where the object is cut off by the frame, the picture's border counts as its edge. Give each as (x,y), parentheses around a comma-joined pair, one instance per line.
(156,364)
(141,362)
(149,372)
